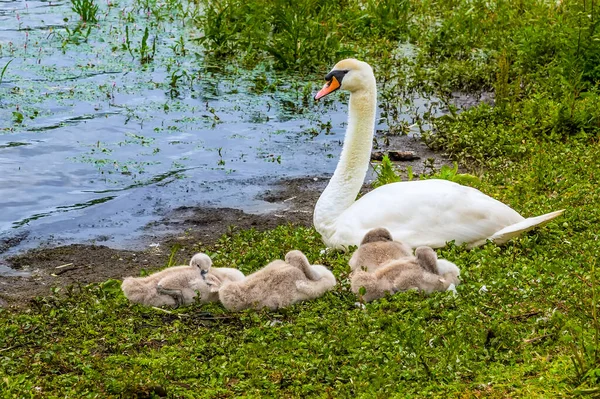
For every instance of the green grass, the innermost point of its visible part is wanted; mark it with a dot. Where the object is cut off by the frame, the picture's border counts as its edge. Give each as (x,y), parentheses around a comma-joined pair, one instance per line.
(513,340)
(532,332)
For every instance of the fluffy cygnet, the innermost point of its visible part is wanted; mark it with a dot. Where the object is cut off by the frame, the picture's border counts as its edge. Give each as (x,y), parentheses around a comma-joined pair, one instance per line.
(277,285)
(178,285)
(420,272)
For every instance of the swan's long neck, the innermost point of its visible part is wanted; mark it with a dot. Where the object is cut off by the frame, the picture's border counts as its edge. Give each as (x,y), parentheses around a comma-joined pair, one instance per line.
(352,167)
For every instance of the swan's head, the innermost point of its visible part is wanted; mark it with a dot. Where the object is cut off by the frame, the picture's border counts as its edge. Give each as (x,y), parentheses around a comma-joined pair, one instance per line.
(349,74)
(202,262)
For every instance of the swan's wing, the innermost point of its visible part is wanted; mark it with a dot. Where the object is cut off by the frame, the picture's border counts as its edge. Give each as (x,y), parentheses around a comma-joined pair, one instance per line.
(425,212)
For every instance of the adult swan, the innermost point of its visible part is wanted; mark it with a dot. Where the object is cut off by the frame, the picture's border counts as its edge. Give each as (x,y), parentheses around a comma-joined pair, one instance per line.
(424,212)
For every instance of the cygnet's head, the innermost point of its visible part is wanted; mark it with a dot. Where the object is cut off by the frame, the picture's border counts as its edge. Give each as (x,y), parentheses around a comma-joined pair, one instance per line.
(377,235)
(201,261)
(426,257)
(296,258)
(349,74)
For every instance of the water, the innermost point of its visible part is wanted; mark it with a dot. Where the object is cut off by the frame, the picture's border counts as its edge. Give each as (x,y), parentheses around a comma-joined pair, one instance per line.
(94,145)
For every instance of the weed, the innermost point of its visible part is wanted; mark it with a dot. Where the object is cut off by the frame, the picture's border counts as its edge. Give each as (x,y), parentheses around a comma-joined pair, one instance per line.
(79,34)
(4,70)
(18,117)
(179,47)
(385,173)
(298,35)
(175,77)
(221,24)
(127,43)
(584,341)
(146,51)
(86,9)
(451,173)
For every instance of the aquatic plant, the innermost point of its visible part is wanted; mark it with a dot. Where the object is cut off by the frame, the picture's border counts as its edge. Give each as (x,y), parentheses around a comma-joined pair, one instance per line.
(221,24)
(300,34)
(145,51)
(4,70)
(79,34)
(87,10)
(18,117)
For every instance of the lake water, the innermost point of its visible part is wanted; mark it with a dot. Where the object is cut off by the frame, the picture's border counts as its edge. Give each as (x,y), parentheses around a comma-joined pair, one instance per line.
(94,144)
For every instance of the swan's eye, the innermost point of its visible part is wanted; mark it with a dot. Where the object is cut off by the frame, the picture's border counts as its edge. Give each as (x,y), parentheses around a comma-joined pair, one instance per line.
(331,86)
(338,73)
(334,82)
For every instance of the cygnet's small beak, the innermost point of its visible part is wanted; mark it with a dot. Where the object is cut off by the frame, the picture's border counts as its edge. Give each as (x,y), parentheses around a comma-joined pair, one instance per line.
(329,88)
(203,274)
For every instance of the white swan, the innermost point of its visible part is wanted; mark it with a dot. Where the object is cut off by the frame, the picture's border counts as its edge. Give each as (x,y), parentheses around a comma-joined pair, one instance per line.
(418,213)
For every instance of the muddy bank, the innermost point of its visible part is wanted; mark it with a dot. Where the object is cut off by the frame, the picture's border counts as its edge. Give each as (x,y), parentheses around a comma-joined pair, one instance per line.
(197,229)
(191,229)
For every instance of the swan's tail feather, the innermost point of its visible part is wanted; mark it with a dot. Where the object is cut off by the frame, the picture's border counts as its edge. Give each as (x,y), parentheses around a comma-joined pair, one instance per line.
(500,237)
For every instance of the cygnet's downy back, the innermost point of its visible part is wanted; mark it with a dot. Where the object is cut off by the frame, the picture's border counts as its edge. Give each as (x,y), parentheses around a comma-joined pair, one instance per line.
(277,285)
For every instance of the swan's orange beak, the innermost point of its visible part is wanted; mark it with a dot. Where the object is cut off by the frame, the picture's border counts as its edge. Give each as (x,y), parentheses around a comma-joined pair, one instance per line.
(329,88)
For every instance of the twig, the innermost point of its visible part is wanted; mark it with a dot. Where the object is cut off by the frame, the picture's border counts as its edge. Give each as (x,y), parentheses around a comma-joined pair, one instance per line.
(169,312)
(216,317)
(530,340)
(582,279)
(526,315)
(58,273)
(10,347)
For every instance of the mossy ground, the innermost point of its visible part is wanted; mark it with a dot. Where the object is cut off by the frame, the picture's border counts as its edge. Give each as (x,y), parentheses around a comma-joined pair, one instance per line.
(524,321)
